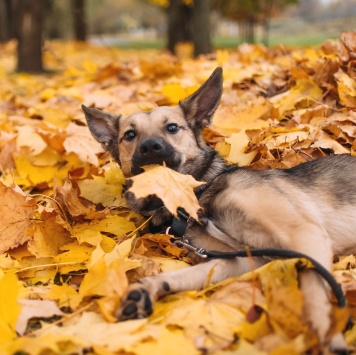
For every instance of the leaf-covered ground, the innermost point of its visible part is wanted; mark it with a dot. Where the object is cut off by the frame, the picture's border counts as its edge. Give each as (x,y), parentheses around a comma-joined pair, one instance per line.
(70,246)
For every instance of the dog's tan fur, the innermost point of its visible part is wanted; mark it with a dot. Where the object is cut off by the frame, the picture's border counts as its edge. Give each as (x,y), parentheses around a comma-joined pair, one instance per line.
(310,208)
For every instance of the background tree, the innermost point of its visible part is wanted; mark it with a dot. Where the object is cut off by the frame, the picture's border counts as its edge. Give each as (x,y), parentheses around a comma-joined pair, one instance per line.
(188,21)
(249,13)
(6,20)
(80,26)
(29,31)
(27,19)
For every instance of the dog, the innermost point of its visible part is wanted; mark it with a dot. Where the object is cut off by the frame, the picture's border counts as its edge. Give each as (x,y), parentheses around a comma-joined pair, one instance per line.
(310,208)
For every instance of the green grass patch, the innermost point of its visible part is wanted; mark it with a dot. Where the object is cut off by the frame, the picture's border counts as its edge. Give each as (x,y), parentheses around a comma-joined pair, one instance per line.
(230,42)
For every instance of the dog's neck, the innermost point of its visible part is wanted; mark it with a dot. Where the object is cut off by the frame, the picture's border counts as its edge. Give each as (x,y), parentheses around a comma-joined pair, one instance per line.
(212,167)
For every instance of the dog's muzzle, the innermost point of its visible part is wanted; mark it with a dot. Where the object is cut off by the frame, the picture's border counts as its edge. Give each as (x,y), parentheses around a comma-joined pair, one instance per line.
(154,150)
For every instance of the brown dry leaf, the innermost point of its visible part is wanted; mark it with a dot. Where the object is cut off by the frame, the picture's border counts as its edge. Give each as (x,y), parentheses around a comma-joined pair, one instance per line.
(174,189)
(16,210)
(336,47)
(327,142)
(158,245)
(346,88)
(349,40)
(68,197)
(7,149)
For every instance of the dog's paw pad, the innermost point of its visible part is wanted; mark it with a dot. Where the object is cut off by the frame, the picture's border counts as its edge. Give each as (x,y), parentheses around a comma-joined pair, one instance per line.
(130,310)
(134,295)
(137,304)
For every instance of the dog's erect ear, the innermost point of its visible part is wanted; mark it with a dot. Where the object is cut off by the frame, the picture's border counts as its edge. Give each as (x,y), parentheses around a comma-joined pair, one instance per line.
(199,107)
(103,126)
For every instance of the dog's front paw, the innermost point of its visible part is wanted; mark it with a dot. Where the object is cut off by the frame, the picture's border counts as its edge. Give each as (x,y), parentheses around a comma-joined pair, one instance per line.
(136,304)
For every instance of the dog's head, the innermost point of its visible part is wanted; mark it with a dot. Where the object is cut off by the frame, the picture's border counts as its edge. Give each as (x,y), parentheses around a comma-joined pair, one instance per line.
(166,134)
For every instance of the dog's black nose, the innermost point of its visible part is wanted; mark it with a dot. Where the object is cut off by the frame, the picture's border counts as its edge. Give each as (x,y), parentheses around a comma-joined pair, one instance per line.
(152,146)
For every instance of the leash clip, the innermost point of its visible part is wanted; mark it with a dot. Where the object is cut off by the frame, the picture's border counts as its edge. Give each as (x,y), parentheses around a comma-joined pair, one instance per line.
(184,242)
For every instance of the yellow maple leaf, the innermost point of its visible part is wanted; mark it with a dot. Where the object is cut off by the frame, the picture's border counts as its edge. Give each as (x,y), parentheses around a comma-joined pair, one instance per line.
(176,92)
(93,330)
(74,253)
(104,280)
(43,243)
(64,294)
(53,115)
(34,170)
(237,155)
(30,175)
(255,330)
(48,93)
(9,307)
(167,343)
(304,90)
(7,262)
(345,262)
(174,189)
(106,190)
(90,233)
(230,119)
(45,344)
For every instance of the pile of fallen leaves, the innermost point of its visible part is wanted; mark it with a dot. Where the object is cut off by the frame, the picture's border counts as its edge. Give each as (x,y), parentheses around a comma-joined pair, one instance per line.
(69,244)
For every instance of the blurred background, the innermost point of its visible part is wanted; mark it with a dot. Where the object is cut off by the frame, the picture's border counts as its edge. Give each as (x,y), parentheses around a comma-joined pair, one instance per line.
(184,27)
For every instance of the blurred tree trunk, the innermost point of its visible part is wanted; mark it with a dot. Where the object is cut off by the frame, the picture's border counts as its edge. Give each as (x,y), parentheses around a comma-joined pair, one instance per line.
(201,27)
(247,30)
(6,20)
(251,23)
(80,29)
(266,30)
(179,24)
(189,23)
(29,35)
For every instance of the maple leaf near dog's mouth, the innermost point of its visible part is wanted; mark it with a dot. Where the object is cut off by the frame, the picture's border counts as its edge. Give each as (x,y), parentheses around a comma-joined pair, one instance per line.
(174,189)
(172,164)
(141,169)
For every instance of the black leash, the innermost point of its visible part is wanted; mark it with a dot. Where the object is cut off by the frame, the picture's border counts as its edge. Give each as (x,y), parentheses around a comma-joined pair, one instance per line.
(281,253)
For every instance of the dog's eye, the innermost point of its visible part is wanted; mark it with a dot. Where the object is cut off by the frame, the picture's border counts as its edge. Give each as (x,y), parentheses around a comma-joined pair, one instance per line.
(172,128)
(129,135)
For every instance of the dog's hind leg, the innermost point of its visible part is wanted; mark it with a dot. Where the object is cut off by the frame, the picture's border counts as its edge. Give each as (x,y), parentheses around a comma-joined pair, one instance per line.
(138,302)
